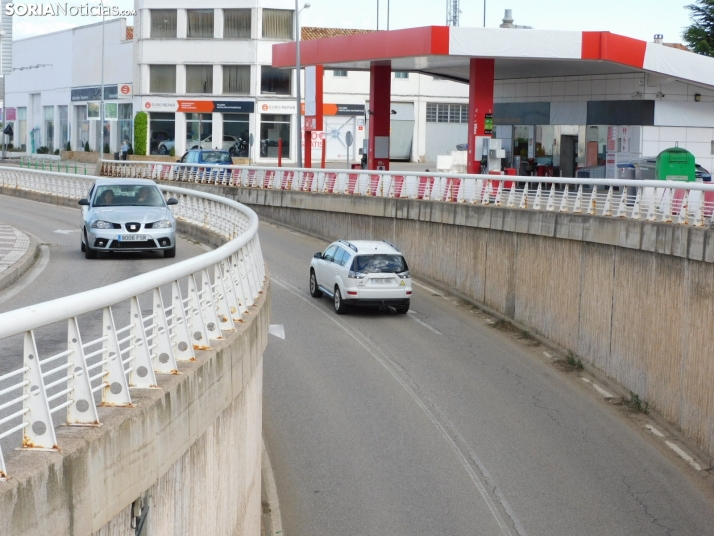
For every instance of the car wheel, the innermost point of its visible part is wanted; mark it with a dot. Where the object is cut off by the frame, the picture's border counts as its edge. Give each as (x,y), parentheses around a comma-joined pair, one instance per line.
(315,291)
(163,151)
(89,253)
(170,253)
(403,309)
(340,306)
(82,247)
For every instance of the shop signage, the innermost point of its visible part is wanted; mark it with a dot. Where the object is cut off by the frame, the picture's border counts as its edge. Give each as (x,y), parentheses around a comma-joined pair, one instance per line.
(126,91)
(12,114)
(94,93)
(339,109)
(277,107)
(197,106)
(246,107)
(159,105)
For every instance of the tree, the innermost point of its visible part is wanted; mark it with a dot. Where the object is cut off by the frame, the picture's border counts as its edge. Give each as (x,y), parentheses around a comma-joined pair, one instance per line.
(700,35)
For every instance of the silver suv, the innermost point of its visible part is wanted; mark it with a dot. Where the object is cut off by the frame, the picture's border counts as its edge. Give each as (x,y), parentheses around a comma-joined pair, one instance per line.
(363,273)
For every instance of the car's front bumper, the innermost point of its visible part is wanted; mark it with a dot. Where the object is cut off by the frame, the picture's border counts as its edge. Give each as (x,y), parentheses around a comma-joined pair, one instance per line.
(109,240)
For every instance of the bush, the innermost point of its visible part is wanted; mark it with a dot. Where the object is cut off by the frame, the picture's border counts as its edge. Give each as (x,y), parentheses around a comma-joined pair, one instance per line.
(56,151)
(172,152)
(43,150)
(69,146)
(141,126)
(86,146)
(105,149)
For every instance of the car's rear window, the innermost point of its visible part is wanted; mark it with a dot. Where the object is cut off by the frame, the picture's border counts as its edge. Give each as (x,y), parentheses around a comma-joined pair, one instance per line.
(379,263)
(216,157)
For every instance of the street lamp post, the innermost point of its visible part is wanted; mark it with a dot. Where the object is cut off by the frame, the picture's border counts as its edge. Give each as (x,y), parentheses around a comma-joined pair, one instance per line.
(101,98)
(297,75)
(4,104)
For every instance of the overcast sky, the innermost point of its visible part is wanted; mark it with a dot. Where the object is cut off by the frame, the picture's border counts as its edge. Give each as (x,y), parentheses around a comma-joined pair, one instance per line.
(635,18)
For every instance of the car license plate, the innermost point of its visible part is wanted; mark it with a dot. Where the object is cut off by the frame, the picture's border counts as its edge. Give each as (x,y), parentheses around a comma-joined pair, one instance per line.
(133,238)
(382,281)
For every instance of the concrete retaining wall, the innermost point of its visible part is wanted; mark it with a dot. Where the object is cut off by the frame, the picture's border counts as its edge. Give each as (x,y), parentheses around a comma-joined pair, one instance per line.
(191,450)
(634,299)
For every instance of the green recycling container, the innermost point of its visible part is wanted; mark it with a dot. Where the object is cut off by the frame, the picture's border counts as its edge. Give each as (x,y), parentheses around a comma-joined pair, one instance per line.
(675,164)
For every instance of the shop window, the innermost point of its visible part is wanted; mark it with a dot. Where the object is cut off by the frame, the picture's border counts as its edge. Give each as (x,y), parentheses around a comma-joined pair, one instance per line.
(401,75)
(63,127)
(236,23)
(200,23)
(126,124)
(447,113)
(49,115)
(236,133)
(82,120)
(162,127)
(275,81)
(199,79)
(20,138)
(278,24)
(274,127)
(339,73)
(236,79)
(198,131)
(163,23)
(162,78)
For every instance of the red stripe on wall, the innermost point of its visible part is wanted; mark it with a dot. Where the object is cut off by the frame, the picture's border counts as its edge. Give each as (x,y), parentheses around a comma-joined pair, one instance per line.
(616,48)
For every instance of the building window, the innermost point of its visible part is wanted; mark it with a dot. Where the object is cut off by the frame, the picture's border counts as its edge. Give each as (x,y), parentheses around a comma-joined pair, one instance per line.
(200,23)
(199,127)
(275,81)
(447,113)
(199,79)
(236,79)
(339,73)
(162,127)
(80,115)
(49,114)
(20,138)
(162,78)
(126,124)
(400,74)
(278,24)
(236,132)
(63,127)
(163,23)
(273,128)
(236,23)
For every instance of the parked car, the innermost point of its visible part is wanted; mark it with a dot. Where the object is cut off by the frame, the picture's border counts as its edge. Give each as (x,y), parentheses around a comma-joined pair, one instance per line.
(232,144)
(127,215)
(157,137)
(362,273)
(213,158)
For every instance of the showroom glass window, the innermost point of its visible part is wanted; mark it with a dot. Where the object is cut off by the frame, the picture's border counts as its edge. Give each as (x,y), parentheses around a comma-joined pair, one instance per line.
(236,79)
(278,24)
(275,81)
(199,79)
(162,126)
(200,23)
(198,127)
(20,138)
(237,127)
(274,127)
(162,78)
(80,116)
(236,23)
(49,113)
(126,124)
(63,127)
(163,23)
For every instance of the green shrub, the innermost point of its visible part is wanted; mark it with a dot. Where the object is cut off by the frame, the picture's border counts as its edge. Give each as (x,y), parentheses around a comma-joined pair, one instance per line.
(69,146)
(43,150)
(86,146)
(105,149)
(56,151)
(141,127)
(172,152)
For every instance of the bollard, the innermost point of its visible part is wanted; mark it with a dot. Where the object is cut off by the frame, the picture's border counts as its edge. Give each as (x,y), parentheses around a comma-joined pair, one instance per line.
(280,152)
(324,151)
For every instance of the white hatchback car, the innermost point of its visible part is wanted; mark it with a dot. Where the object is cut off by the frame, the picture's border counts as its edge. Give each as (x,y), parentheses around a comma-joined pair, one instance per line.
(363,273)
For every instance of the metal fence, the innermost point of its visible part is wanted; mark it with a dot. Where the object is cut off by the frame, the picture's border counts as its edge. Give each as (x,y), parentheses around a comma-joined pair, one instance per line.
(98,344)
(687,203)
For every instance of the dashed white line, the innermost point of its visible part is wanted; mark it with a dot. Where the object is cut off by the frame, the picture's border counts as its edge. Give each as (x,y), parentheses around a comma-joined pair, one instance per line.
(546,354)
(603,392)
(654,430)
(686,457)
(277,330)
(421,322)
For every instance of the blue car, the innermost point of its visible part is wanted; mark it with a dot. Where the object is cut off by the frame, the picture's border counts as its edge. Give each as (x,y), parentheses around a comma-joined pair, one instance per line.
(213,157)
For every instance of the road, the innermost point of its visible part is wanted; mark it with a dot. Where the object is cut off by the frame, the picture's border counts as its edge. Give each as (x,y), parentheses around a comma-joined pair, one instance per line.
(438,423)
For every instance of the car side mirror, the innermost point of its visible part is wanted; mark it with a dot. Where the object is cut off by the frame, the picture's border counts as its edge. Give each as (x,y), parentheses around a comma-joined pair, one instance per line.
(84,202)
(317,255)
(172,201)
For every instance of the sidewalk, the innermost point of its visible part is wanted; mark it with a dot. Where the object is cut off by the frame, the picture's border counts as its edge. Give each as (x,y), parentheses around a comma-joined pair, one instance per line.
(17,253)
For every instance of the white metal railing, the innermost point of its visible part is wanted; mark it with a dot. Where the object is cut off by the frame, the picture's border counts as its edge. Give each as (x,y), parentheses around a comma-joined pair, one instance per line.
(688,203)
(162,317)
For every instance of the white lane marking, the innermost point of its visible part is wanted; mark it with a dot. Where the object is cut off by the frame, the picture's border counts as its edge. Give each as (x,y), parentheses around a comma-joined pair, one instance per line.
(427,326)
(390,367)
(429,289)
(30,276)
(271,491)
(686,457)
(278,330)
(602,391)
(546,354)
(66,231)
(654,430)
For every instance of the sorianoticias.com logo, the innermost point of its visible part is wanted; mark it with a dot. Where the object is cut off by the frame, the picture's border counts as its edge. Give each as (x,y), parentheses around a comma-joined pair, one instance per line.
(59,9)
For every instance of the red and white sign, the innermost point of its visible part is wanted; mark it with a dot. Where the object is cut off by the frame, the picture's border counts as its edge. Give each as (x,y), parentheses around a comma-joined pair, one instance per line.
(158,104)
(126,91)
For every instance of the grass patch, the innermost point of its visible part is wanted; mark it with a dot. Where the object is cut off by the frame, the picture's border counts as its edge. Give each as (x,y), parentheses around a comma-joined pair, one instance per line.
(637,403)
(574,361)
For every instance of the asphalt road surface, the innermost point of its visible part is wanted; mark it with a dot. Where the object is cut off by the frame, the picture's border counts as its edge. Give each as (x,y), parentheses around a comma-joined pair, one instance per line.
(436,422)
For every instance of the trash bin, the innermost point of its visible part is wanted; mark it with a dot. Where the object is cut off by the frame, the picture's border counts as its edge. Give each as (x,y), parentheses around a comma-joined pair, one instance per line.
(675,164)
(116,156)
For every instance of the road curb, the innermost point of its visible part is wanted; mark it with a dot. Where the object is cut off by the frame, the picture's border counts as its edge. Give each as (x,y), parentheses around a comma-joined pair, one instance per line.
(12,274)
(272,520)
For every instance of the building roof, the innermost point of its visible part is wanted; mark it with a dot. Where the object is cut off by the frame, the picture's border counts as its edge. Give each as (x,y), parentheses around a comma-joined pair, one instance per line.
(445,52)
(308,33)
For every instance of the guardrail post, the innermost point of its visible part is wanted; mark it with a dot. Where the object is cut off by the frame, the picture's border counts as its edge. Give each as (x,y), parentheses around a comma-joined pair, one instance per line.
(163,360)
(208,306)
(195,311)
(142,374)
(83,410)
(39,432)
(116,389)
(564,200)
(223,308)
(231,285)
(181,338)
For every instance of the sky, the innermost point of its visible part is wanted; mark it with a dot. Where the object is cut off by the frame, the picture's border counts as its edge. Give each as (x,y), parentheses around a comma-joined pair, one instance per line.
(635,18)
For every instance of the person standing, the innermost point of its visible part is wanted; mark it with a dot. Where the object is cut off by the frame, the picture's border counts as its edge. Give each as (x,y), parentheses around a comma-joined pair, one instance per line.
(124,149)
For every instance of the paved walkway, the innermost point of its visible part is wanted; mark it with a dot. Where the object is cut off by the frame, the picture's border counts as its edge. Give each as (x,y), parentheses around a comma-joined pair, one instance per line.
(13,245)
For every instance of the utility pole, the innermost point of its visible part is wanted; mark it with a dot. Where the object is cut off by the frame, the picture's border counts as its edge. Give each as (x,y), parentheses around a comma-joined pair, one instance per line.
(452,12)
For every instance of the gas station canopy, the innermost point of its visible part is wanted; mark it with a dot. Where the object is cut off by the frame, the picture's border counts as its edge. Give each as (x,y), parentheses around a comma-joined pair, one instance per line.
(445,51)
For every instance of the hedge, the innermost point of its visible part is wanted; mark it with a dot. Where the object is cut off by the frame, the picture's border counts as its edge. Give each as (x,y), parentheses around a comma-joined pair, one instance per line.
(141,124)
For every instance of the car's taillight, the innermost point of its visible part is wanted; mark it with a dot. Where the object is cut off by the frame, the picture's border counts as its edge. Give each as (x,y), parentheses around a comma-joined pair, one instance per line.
(356,275)
(352,292)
